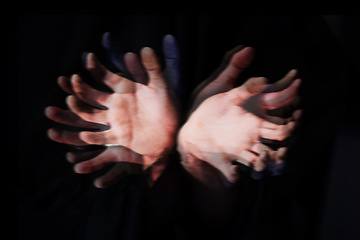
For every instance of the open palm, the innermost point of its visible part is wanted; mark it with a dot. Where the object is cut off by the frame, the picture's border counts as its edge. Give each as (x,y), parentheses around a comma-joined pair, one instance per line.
(227,127)
(139,115)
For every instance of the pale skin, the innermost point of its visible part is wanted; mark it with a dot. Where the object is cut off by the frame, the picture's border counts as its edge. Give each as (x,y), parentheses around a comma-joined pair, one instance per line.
(140,117)
(227,123)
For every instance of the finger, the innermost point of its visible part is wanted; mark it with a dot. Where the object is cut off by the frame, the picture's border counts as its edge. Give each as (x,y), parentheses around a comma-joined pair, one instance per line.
(171,55)
(296,116)
(239,61)
(112,176)
(114,52)
(259,164)
(286,110)
(135,68)
(225,80)
(209,87)
(282,83)
(247,157)
(282,98)
(68,137)
(98,138)
(275,120)
(224,63)
(65,85)
(69,118)
(272,156)
(229,171)
(250,88)
(100,73)
(280,155)
(94,164)
(86,112)
(87,94)
(279,133)
(152,67)
(76,157)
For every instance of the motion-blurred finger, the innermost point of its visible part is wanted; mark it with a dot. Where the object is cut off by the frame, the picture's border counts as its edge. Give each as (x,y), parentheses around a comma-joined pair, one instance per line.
(64,84)
(152,67)
(280,133)
(282,83)
(280,99)
(64,136)
(101,74)
(98,138)
(135,68)
(87,94)
(69,118)
(86,112)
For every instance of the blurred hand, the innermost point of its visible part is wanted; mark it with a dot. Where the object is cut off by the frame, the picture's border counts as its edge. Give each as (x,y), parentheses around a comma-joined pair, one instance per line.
(139,116)
(126,162)
(228,126)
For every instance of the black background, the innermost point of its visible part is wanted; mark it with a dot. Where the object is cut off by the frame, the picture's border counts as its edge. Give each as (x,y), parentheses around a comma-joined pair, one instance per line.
(318,196)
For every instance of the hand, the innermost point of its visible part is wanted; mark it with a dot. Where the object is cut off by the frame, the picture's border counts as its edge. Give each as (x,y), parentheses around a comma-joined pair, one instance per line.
(126,162)
(227,127)
(140,117)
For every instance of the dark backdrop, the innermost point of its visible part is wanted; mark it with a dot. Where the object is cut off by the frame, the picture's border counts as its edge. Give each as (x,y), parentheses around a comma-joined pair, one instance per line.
(318,196)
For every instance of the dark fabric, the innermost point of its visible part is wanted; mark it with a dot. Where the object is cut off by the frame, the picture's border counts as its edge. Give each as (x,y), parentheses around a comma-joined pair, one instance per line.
(47,200)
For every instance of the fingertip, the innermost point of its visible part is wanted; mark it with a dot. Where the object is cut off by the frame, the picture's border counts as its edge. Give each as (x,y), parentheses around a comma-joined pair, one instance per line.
(149,60)
(70,157)
(49,112)
(69,100)
(291,126)
(61,80)
(130,58)
(297,114)
(75,81)
(248,50)
(81,168)
(90,60)
(106,40)
(52,134)
(170,47)
(78,168)
(243,58)
(169,39)
(99,183)
(282,152)
(147,51)
(297,83)
(293,72)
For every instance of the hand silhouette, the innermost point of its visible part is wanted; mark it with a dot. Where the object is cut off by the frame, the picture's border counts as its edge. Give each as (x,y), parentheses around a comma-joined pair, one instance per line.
(140,117)
(227,126)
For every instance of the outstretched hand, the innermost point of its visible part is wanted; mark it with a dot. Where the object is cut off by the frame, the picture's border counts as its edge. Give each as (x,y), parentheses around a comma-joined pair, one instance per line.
(138,115)
(227,126)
